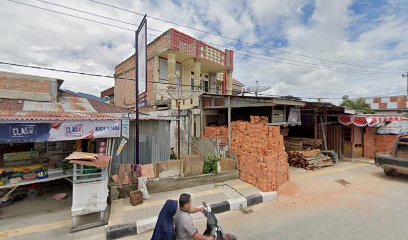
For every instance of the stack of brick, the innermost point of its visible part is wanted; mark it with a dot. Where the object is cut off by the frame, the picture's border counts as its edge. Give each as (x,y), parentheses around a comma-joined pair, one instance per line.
(220,132)
(261,153)
(259,119)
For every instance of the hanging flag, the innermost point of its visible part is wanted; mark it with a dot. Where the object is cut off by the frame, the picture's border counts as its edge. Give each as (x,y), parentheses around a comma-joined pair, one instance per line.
(121,146)
(125,128)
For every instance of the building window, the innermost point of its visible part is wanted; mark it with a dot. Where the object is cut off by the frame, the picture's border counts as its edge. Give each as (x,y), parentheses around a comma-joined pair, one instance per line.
(204,85)
(192,84)
(164,74)
(163,70)
(347,135)
(192,73)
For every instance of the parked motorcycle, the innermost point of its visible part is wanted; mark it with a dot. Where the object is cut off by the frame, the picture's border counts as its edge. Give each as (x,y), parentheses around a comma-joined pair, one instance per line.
(213,229)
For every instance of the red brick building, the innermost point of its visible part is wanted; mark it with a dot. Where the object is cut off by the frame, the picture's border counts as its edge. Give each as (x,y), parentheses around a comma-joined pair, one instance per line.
(175,60)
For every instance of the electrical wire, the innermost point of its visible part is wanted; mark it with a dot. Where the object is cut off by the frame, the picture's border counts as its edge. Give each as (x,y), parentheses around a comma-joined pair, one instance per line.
(320,67)
(235,39)
(132,79)
(113,19)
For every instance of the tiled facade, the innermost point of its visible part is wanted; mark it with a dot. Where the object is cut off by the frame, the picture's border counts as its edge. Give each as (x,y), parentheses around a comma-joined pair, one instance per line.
(388,103)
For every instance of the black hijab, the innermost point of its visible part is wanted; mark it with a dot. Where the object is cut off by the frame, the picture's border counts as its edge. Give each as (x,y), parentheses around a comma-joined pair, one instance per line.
(164,229)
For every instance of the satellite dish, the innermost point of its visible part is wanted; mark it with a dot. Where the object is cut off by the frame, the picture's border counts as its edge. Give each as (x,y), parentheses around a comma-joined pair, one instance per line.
(255,89)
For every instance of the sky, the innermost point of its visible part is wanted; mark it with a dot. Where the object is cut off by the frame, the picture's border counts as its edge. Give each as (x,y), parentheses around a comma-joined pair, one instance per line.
(316,48)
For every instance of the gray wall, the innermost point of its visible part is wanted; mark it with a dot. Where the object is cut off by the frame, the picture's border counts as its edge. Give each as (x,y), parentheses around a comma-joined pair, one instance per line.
(154,144)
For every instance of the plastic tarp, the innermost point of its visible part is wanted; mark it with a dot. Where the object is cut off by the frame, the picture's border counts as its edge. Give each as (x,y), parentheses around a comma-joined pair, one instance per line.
(369,121)
(396,128)
(89,197)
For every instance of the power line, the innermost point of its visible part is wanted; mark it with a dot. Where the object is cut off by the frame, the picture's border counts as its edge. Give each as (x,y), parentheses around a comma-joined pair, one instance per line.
(132,79)
(96,15)
(73,16)
(235,39)
(89,74)
(305,66)
(320,67)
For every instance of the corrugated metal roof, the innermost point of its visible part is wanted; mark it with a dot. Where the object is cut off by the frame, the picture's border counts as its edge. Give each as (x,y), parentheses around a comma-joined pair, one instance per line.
(67,108)
(64,104)
(62,116)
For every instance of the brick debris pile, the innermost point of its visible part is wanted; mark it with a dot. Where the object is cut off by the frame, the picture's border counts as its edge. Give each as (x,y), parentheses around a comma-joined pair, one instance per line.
(261,153)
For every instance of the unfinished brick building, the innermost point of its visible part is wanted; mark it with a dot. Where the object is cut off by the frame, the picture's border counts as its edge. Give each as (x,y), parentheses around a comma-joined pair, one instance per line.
(199,65)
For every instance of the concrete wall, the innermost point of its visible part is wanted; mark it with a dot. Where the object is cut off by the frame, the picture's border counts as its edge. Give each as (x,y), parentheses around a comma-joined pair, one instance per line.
(179,183)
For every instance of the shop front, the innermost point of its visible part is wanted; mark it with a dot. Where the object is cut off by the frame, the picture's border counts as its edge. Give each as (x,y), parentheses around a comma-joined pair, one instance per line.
(32,153)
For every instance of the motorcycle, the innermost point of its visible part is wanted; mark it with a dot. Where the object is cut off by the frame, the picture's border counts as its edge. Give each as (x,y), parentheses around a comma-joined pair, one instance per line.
(213,229)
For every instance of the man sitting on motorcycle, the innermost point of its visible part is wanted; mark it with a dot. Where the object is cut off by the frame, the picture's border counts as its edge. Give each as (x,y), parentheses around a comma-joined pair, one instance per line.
(185,229)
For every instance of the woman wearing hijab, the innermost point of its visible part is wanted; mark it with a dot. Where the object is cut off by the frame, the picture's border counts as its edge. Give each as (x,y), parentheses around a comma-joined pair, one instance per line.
(164,229)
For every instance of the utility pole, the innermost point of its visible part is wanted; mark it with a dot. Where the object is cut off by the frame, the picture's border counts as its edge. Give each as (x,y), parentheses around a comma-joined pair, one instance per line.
(406,75)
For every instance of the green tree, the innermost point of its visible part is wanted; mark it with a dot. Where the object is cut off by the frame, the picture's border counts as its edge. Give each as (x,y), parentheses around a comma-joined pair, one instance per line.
(359,105)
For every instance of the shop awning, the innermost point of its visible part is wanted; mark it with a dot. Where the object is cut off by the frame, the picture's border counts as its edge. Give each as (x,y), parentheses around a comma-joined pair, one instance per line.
(368,120)
(62,131)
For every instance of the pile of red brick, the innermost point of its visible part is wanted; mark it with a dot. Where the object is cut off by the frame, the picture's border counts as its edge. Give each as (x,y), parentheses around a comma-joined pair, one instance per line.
(261,153)
(214,132)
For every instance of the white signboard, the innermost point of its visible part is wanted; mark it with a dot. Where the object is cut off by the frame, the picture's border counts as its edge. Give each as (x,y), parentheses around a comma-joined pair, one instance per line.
(294,116)
(141,56)
(125,128)
(73,130)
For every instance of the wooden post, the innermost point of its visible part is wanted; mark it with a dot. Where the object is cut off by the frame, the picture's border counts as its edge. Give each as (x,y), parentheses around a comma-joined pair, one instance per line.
(273,112)
(316,133)
(229,123)
(325,121)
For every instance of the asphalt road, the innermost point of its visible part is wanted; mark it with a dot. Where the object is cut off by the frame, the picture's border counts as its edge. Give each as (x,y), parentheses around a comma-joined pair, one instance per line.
(347,201)
(366,205)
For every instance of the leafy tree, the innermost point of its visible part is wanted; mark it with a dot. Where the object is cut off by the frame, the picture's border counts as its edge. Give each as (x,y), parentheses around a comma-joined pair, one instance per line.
(359,105)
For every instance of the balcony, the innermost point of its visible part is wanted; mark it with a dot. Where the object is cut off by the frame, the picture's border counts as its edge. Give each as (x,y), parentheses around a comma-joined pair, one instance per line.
(183,43)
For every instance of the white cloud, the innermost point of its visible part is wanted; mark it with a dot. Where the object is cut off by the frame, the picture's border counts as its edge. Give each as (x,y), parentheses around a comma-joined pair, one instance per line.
(32,36)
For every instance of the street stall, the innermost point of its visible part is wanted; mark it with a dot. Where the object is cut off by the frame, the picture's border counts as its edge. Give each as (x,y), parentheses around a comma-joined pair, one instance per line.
(34,152)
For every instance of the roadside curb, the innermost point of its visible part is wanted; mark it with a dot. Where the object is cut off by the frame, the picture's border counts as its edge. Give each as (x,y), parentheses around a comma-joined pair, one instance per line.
(141,226)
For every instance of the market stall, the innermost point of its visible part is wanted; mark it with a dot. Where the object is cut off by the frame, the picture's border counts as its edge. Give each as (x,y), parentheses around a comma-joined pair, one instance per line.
(33,153)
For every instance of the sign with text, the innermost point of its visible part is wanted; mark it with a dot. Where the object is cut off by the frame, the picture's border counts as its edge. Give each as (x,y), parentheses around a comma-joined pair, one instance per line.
(85,130)
(24,132)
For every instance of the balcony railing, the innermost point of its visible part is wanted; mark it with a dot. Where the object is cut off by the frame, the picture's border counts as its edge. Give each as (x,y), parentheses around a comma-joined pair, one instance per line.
(184,43)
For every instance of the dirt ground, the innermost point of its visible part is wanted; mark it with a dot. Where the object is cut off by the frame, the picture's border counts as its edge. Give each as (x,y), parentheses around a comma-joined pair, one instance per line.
(352,200)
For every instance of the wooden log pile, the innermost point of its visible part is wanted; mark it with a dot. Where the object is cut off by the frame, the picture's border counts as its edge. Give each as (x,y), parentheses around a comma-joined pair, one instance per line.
(310,160)
(299,144)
